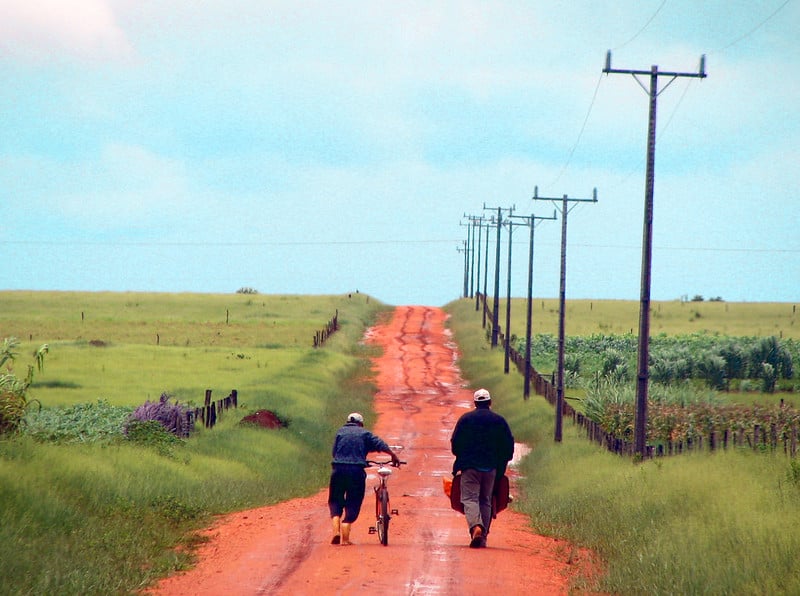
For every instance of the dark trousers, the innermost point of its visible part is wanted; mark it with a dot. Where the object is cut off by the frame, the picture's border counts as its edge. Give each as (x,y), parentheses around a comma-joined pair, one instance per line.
(346,491)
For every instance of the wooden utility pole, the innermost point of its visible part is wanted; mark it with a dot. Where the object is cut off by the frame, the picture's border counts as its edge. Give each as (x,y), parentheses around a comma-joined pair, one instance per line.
(643,373)
(478,278)
(562,299)
(465,250)
(496,304)
(467,257)
(531,223)
(490,223)
(475,283)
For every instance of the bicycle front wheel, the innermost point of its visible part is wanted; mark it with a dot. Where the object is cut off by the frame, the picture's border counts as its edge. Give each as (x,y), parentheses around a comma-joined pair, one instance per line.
(383,518)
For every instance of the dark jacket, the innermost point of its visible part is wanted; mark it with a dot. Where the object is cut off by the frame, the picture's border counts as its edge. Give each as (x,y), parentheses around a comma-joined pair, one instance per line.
(352,444)
(482,440)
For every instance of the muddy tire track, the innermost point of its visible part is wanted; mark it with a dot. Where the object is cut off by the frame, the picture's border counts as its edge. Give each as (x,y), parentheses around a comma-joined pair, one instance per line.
(285,549)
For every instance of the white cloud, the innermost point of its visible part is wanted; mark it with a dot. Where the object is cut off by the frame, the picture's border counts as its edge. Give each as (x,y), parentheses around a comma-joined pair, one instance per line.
(45,30)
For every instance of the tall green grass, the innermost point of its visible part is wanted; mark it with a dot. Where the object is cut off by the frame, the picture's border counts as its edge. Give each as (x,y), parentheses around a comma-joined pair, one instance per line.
(722,523)
(105,518)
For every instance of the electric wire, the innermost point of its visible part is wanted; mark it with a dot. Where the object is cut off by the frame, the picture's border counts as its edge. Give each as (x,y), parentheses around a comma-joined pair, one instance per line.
(678,104)
(580,133)
(754,29)
(645,26)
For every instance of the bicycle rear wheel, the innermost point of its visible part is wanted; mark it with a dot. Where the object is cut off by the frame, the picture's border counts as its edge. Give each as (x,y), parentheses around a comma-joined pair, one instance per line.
(382,524)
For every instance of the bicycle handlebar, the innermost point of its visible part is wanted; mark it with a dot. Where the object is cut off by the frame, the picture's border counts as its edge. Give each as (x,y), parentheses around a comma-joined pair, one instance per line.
(386,463)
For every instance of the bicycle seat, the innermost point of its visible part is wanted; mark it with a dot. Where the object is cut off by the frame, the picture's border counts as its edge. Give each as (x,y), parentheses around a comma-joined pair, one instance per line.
(384,471)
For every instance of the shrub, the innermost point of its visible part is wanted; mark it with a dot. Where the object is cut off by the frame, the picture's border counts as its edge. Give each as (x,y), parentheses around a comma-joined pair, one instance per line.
(711,368)
(152,433)
(735,359)
(13,390)
(99,422)
(769,377)
(769,351)
(173,417)
(614,366)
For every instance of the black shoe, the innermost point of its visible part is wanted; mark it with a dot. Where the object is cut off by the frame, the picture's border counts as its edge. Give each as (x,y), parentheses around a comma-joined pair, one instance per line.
(477,537)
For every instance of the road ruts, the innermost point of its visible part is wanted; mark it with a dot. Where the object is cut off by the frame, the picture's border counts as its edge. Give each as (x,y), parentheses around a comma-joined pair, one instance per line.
(285,549)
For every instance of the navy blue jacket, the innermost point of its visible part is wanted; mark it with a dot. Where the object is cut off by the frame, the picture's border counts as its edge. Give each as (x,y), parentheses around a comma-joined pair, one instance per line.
(352,444)
(482,440)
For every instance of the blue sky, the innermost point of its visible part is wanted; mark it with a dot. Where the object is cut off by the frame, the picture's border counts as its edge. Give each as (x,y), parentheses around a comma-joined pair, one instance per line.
(320,147)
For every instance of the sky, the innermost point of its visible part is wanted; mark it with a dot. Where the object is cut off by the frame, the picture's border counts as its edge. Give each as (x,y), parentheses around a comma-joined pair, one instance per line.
(317,147)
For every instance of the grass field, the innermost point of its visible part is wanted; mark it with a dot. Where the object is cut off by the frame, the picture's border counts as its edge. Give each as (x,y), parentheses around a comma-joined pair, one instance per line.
(674,317)
(127,347)
(105,518)
(721,523)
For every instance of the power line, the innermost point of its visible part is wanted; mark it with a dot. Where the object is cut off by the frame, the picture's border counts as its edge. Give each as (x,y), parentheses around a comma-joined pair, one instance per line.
(449,241)
(647,24)
(580,134)
(754,29)
(207,243)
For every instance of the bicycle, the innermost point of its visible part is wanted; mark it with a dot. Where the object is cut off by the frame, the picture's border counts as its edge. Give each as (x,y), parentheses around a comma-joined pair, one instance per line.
(383,513)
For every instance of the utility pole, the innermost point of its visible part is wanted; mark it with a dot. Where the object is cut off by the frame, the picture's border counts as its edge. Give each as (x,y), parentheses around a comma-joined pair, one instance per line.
(496,305)
(562,294)
(531,223)
(477,222)
(507,334)
(643,373)
(466,250)
(486,268)
(472,263)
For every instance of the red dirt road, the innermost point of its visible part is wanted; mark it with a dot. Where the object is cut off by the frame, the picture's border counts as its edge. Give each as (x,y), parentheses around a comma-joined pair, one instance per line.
(285,549)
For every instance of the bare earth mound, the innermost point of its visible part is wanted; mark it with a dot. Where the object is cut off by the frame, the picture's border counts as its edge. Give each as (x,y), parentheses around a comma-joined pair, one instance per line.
(263,419)
(285,549)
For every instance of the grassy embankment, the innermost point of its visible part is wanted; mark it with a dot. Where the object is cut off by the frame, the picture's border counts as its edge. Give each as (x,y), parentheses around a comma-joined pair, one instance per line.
(721,523)
(104,518)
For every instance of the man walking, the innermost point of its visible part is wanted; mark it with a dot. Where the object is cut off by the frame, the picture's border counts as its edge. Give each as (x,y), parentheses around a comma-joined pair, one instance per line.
(483,445)
(348,479)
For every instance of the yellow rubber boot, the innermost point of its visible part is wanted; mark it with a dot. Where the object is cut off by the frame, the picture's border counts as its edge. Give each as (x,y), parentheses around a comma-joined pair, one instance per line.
(345,533)
(336,521)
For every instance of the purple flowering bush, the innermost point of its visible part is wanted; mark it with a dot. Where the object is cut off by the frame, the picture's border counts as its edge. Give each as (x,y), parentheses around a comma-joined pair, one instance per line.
(174,417)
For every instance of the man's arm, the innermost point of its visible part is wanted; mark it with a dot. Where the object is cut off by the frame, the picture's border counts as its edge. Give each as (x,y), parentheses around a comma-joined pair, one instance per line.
(395,459)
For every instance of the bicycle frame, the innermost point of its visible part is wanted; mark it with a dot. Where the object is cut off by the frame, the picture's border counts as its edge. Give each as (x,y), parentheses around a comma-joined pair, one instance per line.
(383,511)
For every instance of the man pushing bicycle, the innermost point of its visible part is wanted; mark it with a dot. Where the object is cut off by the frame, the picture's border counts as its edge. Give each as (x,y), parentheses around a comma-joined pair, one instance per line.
(348,479)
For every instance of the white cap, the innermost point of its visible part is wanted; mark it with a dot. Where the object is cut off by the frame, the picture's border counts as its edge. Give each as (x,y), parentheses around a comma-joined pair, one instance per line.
(482,395)
(355,417)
